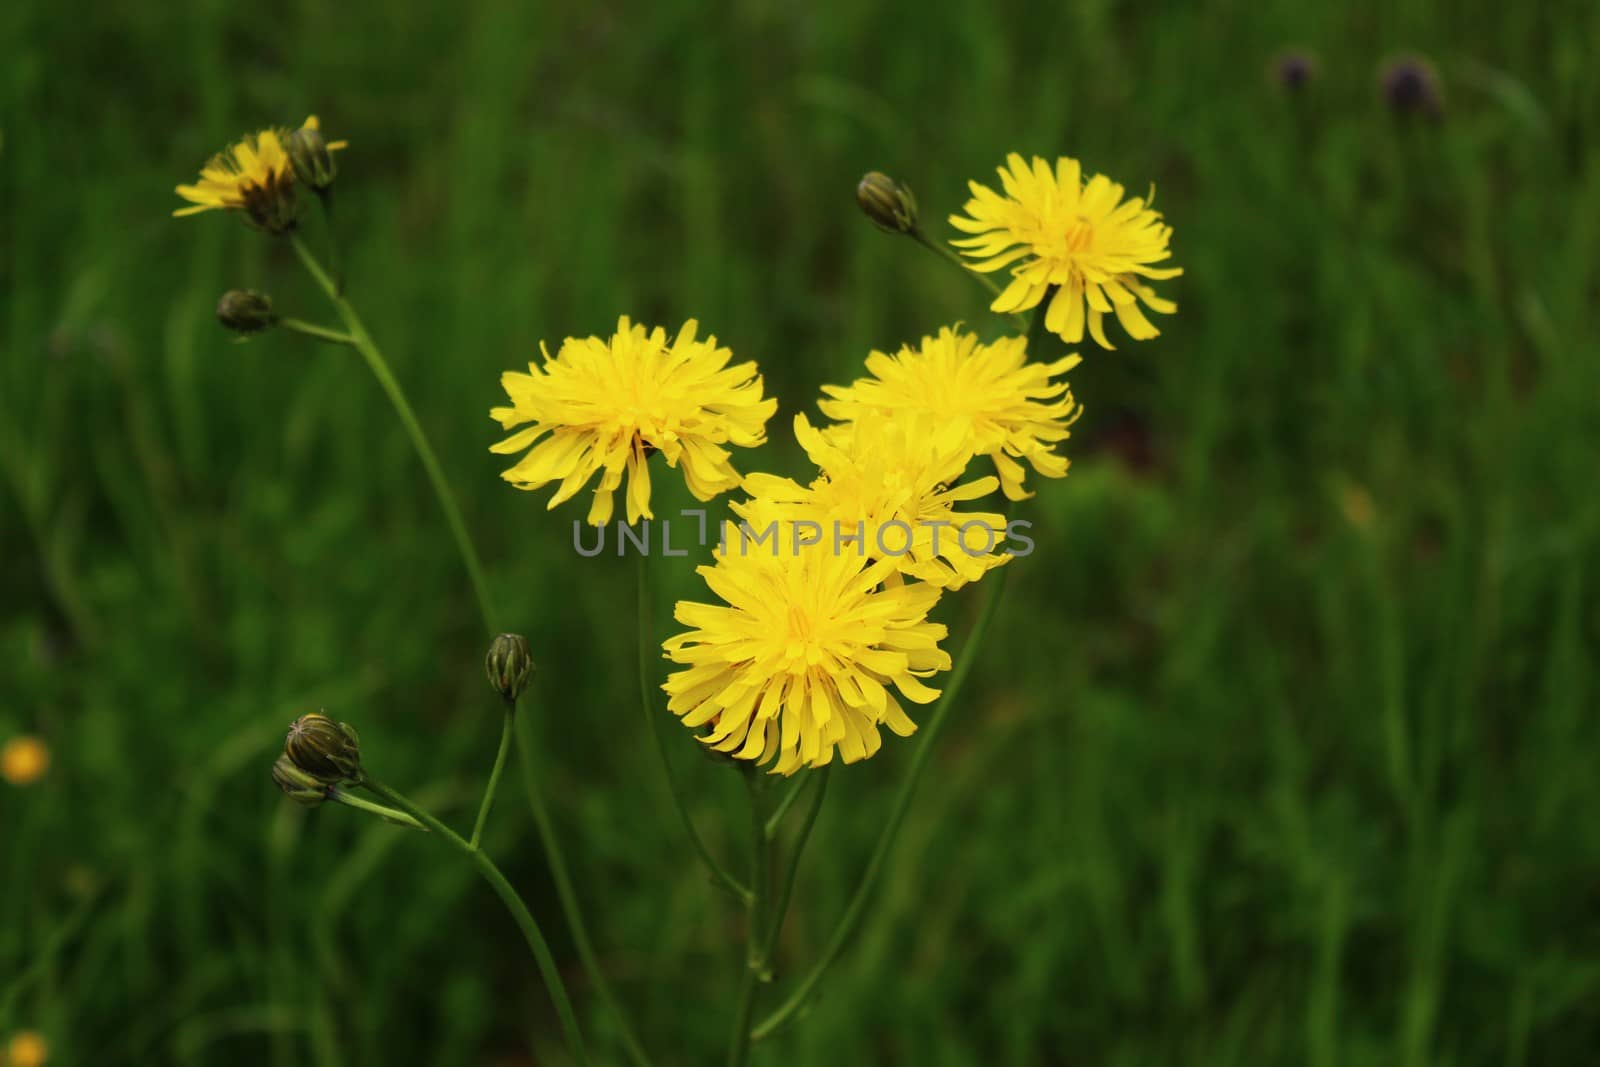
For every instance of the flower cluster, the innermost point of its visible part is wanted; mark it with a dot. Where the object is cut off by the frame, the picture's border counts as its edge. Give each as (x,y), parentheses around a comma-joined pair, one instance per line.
(257,176)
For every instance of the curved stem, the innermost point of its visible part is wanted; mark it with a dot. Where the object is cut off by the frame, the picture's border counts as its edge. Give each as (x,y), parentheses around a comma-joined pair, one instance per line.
(514,904)
(321,333)
(350,800)
(363,343)
(569,898)
(992,587)
(755,919)
(494,775)
(775,820)
(956,261)
(646,642)
(781,912)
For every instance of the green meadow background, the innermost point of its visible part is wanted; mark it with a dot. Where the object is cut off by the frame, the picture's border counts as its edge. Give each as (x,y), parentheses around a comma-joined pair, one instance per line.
(1283,749)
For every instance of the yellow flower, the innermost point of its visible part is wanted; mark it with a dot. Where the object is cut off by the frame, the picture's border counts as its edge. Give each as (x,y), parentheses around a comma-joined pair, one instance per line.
(27,1048)
(1079,240)
(254,176)
(24,760)
(1003,406)
(607,405)
(892,484)
(800,661)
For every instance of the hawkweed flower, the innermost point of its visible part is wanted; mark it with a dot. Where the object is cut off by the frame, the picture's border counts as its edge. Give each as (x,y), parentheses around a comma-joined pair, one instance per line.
(24,760)
(892,484)
(1001,405)
(509,665)
(888,203)
(1411,87)
(245,311)
(254,176)
(328,751)
(604,406)
(801,659)
(27,1048)
(1077,243)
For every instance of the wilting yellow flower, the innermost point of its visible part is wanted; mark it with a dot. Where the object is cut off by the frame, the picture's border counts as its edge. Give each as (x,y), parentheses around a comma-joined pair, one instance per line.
(27,1048)
(254,176)
(607,405)
(24,760)
(1054,230)
(1003,406)
(800,661)
(888,491)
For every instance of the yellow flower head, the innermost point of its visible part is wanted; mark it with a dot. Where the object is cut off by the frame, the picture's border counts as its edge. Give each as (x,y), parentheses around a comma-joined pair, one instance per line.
(1081,239)
(1003,406)
(608,404)
(27,1048)
(254,176)
(800,660)
(888,491)
(24,760)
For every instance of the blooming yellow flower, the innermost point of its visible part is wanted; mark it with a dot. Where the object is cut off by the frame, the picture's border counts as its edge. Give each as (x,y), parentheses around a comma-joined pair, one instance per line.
(254,176)
(607,405)
(1002,406)
(888,491)
(27,1048)
(800,660)
(1079,239)
(24,760)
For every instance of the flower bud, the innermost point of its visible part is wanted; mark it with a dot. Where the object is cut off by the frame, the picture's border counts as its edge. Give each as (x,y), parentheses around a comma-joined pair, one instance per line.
(1294,69)
(328,751)
(246,311)
(297,785)
(309,156)
(1411,87)
(508,665)
(889,204)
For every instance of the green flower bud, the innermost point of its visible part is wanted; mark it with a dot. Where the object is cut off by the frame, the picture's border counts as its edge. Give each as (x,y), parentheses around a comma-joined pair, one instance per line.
(246,311)
(889,204)
(328,751)
(297,785)
(312,161)
(508,665)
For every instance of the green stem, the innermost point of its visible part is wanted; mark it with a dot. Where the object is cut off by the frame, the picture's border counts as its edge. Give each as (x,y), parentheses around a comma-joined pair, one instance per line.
(363,343)
(991,588)
(653,720)
(494,775)
(775,820)
(321,333)
(755,920)
(782,910)
(350,800)
(569,898)
(956,261)
(514,904)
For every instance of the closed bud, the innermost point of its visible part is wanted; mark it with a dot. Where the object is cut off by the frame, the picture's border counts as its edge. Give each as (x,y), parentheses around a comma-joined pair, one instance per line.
(509,665)
(297,785)
(246,311)
(328,751)
(309,156)
(1294,69)
(889,204)
(1411,87)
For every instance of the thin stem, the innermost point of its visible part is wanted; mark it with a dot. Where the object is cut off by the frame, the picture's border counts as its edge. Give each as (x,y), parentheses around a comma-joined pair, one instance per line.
(514,904)
(755,920)
(956,261)
(781,912)
(363,343)
(321,333)
(795,789)
(569,898)
(991,589)
(494,775)
(350,800)
(647,702)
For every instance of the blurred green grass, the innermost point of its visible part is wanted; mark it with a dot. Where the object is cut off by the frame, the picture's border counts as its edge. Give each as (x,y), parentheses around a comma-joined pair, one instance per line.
(1283,751)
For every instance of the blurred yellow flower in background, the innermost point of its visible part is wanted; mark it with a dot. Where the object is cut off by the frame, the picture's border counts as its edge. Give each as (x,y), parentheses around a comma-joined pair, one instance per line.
(801,659)
(1053,229)
(24,760)
(608,404)
(27,1048)
(254,176)
(893,483)
(1001,405)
